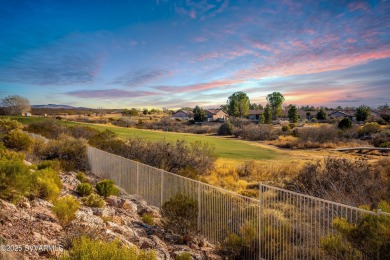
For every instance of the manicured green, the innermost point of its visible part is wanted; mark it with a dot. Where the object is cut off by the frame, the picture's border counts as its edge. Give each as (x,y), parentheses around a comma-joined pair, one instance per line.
(225,147)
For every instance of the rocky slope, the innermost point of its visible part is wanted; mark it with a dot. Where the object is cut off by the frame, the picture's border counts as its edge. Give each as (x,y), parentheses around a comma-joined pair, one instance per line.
(33,223)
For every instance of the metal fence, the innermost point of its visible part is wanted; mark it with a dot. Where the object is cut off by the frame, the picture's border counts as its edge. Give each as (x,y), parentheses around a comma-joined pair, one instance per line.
(279,225)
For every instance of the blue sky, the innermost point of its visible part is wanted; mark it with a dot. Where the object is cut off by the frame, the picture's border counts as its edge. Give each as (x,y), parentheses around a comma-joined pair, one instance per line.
(166,53)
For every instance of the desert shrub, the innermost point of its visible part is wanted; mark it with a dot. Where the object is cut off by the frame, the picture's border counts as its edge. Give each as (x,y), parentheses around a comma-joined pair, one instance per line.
(15,179)
(184,256)
(381,139)
(352,182)
(7,125)
(47,184)
(48,128)
(250,193)
(285,128)
(247,169)
(84,248)
(106,188)
(323,133)
(370,128)
(17,140)
(180,215)
(240,122)
(71,152)
(84,189)
(231,247)
(292,125)
(81,177)
(257,132)
(53,164)
(65,209)
(10,155)
(148,219)
(93,200)
(385,145)
(226,128)
(368,239)
(85,132)
(172,157)
(345,123)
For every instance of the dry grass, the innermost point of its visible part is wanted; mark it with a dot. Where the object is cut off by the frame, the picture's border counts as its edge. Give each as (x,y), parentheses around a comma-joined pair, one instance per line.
(292,142)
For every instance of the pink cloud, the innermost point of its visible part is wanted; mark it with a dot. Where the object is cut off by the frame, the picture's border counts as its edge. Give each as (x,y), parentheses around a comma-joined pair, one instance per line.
(354,6)
(200,39)
(262,46)
(200,86)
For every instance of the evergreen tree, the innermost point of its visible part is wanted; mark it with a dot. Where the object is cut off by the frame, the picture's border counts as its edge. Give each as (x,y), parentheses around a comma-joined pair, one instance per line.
(293,114)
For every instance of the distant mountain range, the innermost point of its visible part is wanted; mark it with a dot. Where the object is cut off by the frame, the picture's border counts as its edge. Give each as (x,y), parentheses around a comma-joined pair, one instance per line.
(57,106)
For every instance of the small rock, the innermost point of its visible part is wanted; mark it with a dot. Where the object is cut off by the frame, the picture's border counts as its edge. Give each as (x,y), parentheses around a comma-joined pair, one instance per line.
(104,212)
(27,163)
(113,201)
(41,203)
(127,204)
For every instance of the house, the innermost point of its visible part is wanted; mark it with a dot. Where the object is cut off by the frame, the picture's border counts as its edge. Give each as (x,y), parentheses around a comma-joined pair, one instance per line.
(26,114)
(254,114)
(216,115)
(183,115)
(342,114)
(306,114)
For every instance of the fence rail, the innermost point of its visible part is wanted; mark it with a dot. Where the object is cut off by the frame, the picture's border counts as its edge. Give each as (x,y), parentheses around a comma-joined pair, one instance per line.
(281,224)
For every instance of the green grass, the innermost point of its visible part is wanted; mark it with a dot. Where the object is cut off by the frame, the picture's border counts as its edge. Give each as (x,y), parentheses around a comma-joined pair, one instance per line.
(225,147)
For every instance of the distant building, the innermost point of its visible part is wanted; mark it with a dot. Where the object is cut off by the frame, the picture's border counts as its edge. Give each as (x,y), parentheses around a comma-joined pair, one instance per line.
(254,114)
(216,115)
(342,114)
(26,114)
(183,115)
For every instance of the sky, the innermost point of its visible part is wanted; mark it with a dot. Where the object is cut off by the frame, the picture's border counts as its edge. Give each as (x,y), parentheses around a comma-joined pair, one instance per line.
(171,54)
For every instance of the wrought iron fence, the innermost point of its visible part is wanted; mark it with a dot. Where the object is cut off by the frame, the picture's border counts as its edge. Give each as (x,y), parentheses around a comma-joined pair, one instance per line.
(281,224)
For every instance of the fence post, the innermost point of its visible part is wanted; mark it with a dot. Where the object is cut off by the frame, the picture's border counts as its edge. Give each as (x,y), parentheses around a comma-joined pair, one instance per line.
(260,216)
(138,178)
(162,188)
(199,207)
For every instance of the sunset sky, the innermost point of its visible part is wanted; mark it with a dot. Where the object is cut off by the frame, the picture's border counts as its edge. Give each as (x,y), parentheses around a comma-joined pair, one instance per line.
(166,53)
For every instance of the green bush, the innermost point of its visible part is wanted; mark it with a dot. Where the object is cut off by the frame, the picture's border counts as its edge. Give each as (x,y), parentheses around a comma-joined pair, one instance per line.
(184,256)
(81,177)
(385,145)
(19,141)
(48,128)
(47,184)
(285,128)
(53,164)
(7,125)
(11,155)
(71,152)
(381,139)
(231,247)
(84,189)
(148,219)
(370,128)
(93,200)
(106,188)
(368,239)
(226,128)
(84,248)
(65,209)
(345,123)
(180,214)
(15,179)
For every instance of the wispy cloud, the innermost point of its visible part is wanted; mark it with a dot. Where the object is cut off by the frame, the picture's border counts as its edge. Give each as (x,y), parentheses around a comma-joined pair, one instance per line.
(61,63)
(140,77)
(109,93)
